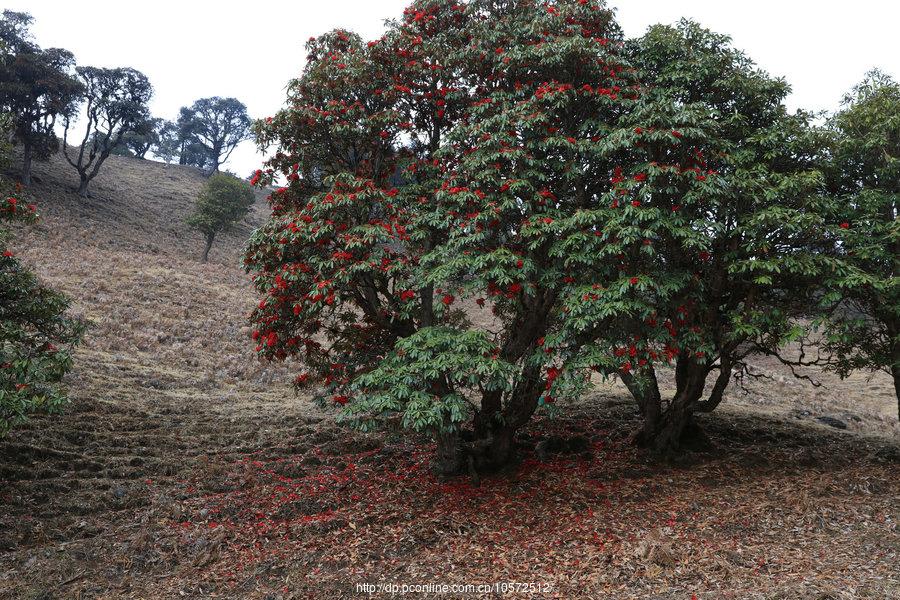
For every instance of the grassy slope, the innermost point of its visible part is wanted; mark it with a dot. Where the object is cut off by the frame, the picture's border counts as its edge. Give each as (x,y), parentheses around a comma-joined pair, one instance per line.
(183,465)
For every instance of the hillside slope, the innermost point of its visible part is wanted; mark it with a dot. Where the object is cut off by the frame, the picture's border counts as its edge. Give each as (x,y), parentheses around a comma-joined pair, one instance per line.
(184,467)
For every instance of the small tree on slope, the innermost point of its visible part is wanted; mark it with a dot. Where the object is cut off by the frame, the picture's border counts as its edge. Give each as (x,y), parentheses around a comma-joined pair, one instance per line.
(223,201)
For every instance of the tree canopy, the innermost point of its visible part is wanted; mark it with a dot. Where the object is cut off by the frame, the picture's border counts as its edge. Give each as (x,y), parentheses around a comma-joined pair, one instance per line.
(210,129)
(862,316)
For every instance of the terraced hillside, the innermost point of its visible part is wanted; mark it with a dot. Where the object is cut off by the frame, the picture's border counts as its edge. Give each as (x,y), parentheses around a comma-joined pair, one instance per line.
(185,468)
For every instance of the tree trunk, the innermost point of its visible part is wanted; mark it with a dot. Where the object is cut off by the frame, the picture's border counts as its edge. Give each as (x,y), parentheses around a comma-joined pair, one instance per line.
(500,451)
(26,165)
(83,187)
(209,243)
(895,371)
(448,460)
(664,431)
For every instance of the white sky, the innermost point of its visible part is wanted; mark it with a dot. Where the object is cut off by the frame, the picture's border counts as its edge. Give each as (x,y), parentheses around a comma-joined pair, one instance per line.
(192,49)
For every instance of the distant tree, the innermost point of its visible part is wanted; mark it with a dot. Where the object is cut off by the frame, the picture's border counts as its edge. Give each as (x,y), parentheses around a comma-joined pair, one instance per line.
(177,143)
(137,143)
(223,201)
(116,104)
(167,146)
(214,127)
(191,151)
(36,88)
(863,326)
(36,335)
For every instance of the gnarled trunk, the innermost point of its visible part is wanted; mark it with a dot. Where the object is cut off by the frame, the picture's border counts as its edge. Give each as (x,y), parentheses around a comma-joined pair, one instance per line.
(492,443)
(448,459)
(664,429)
(482,454)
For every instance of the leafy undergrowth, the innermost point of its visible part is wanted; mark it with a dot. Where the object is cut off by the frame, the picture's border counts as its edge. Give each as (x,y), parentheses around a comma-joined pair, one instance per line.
(787,518)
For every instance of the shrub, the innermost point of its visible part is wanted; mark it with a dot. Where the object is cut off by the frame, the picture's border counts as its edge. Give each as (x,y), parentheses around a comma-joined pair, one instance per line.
(223,201)
(36,335)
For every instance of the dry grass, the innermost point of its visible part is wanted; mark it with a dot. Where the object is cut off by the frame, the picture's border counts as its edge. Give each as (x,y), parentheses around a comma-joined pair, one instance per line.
(185,468)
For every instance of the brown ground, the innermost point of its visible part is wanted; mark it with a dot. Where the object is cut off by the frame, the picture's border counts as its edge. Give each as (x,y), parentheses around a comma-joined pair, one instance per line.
(184,468)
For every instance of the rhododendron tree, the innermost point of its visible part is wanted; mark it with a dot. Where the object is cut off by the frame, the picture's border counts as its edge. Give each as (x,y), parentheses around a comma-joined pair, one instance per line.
(863,321)
(498,199)
(425,169)
(36,336)
(716,217)
(678,221)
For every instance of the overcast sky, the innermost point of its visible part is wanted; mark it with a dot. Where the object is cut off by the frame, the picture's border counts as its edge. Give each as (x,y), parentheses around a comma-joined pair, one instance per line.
(196,48)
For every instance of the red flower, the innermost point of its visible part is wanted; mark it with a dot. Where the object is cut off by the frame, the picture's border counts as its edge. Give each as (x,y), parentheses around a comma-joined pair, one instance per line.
(340,399)
(552,374)
(677,134)
(640,177)
(845,225)
(448,299)
(407,295)
(8,254)
(634,280)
